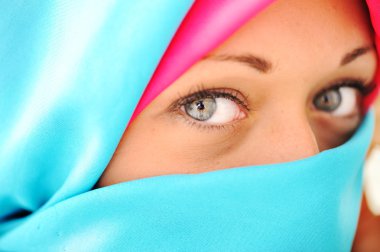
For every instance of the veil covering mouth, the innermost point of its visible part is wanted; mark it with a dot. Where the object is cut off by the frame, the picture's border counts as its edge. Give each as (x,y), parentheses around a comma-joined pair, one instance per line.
(75,73)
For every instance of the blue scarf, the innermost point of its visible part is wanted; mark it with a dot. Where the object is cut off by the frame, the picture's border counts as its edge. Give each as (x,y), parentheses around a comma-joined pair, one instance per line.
(71,75)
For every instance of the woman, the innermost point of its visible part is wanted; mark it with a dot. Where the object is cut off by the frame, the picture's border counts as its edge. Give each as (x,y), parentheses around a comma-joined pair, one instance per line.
(290,85)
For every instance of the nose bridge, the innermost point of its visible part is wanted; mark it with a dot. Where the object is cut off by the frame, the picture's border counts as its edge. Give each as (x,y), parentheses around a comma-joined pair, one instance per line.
(290,136)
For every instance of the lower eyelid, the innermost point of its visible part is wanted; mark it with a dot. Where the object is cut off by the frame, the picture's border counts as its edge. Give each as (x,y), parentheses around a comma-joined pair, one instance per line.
(207,127)
(180,116)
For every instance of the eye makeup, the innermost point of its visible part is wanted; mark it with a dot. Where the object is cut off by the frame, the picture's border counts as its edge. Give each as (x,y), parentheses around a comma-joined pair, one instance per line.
(202,93)
(360,84)
(233,99)
(207,95)
(327,99)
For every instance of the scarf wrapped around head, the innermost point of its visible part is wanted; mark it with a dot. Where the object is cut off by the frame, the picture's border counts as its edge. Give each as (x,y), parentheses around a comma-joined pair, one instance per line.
(74,73)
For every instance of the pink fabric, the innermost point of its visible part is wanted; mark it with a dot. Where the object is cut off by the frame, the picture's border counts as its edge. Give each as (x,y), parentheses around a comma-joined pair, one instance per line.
(209,23)
(374,9)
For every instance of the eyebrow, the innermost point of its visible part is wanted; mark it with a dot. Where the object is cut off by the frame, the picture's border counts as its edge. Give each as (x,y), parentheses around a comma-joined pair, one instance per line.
(260,64)
(354,54)
(264,66)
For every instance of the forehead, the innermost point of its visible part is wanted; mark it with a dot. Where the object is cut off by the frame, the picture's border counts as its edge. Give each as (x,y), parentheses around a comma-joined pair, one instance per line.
(291,27)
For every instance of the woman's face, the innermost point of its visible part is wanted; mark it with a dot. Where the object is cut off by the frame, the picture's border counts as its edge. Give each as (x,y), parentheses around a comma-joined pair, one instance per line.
(285,86)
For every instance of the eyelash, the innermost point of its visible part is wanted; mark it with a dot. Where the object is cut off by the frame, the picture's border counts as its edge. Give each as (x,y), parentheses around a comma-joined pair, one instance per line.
(234,95)
(202,93)
(359,84)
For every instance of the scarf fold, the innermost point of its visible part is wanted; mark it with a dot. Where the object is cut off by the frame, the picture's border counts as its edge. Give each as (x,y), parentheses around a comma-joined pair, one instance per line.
(72,73)
(307,204)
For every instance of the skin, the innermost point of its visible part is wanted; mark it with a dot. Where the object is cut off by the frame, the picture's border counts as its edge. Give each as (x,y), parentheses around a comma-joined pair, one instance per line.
(309,46)
(368,232)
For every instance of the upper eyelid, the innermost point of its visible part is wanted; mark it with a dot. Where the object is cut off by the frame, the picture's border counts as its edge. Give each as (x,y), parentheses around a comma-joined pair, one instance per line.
(362,85)
(227,93)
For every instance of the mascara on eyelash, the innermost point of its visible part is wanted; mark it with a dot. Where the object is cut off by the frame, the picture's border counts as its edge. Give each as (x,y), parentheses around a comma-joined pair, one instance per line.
(359,84)
(213,93)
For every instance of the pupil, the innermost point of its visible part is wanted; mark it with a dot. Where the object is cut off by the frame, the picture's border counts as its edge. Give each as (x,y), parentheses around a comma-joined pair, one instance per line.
(200,105)
(328,100)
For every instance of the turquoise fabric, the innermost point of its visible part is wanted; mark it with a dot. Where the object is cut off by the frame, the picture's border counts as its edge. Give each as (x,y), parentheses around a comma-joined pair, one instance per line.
(71,74)
(306,205)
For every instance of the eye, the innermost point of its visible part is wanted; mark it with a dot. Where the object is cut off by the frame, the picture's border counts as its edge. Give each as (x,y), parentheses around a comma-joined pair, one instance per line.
(339,101)
(214,110)
(213,107)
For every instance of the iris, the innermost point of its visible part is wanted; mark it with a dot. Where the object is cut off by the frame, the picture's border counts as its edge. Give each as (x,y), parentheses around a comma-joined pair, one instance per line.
(329,100)
(202,109)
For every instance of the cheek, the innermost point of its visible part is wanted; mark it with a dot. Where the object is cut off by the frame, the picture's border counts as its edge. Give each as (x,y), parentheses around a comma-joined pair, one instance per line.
(194,149)
(159,146)
(331,132)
